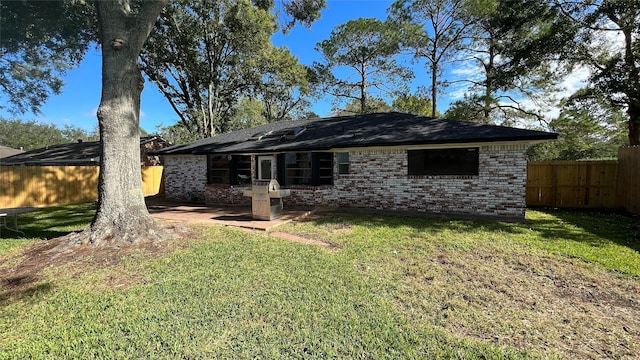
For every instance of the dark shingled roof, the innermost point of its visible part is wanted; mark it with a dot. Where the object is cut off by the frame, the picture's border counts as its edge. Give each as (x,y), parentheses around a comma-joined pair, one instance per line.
(79,153)
(379,129)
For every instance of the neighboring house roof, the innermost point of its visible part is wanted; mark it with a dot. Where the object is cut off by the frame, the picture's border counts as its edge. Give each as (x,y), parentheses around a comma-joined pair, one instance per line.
(369,130)
(7,151)
(78,153)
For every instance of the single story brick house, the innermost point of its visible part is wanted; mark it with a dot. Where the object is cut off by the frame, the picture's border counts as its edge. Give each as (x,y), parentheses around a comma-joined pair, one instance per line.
(390,161)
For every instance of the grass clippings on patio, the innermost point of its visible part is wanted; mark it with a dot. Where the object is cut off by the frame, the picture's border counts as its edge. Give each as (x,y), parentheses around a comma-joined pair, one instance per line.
(388,287)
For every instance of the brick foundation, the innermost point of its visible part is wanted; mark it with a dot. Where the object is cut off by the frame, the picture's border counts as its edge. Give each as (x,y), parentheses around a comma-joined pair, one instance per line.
(227,194)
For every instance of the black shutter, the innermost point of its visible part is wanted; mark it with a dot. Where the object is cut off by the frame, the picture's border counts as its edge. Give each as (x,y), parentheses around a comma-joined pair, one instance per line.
(233,171)
(315,169)
(281,173)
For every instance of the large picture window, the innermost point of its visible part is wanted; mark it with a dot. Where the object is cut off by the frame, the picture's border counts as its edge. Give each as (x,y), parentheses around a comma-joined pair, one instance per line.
(306,168)
(298,169)
(458,161)
(228,169)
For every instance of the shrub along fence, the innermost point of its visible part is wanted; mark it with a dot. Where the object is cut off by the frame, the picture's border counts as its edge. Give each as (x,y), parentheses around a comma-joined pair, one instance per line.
(61,185)
(586,184)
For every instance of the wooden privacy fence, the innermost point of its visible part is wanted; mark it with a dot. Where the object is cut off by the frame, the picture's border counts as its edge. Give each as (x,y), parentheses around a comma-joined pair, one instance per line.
(587,184)
(60,185)
(628,183)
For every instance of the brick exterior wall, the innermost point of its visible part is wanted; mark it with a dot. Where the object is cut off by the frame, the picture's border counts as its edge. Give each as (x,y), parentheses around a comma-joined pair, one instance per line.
(185,177)
(378,180)
(227,194)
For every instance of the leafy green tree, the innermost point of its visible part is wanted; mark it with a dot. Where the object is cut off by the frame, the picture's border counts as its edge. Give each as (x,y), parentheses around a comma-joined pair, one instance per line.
(374,105)
(123,29)
(515,46)
(73,133)
(30,135)
(417,104)
(433,30)
(39,42)
(588,128)
(176,133)
(284,88)
(205,56)
(609,44)
(468,109)
(359,58)
(250,113)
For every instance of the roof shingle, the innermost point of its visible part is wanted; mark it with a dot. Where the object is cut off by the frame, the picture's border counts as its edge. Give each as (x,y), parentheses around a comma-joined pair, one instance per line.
(378,129)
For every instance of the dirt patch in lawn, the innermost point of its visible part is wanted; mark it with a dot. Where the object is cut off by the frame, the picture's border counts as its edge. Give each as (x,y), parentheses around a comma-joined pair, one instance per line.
(28,271)
(543,304)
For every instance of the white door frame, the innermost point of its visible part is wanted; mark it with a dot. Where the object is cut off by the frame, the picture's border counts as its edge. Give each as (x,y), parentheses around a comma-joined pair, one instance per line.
(260,159)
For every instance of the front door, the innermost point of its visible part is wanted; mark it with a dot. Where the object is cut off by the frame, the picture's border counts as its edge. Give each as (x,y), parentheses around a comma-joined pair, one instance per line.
(264,167)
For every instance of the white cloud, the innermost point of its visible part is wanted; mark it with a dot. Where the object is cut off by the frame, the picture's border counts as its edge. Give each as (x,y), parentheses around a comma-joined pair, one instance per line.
(93,113)
(457,91)
(576,80)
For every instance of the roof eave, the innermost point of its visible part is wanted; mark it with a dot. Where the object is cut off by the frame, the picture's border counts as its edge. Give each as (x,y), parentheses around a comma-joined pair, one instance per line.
(279,149)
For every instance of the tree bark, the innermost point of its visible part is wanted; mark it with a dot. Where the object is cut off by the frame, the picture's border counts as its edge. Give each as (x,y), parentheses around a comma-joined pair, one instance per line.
(121,215)
(633,87)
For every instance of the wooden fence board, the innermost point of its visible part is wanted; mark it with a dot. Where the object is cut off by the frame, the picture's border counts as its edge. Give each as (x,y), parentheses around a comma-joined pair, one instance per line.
(540,180)
(579,184)
(60,185)
(628,195)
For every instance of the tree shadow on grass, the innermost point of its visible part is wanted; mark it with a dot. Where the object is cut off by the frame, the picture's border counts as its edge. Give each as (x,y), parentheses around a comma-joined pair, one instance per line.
(595,228)
(23,288)
(52,222)
(23,279)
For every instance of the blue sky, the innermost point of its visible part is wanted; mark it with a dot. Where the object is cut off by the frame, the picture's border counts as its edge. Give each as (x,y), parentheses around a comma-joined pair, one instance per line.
(77,103)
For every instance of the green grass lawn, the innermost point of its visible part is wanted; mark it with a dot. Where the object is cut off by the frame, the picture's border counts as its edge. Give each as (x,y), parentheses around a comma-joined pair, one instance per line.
(390,288)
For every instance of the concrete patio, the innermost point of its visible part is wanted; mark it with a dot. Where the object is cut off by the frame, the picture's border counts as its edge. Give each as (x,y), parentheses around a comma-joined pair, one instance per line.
(238,216)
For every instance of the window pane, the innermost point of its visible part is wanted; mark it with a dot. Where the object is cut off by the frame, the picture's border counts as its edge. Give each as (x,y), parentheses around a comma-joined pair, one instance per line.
(343,163)
(264,168)
(461,161)
(325,168)
(298,169)
(218,169)
(308,169)
(243,169)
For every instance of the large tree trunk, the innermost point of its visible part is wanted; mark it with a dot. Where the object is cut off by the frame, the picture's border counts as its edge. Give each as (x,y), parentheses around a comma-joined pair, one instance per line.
(122,215)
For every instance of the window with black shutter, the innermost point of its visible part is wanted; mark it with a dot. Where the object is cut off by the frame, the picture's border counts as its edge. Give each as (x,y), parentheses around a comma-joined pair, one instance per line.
(228,169)
(306,168)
